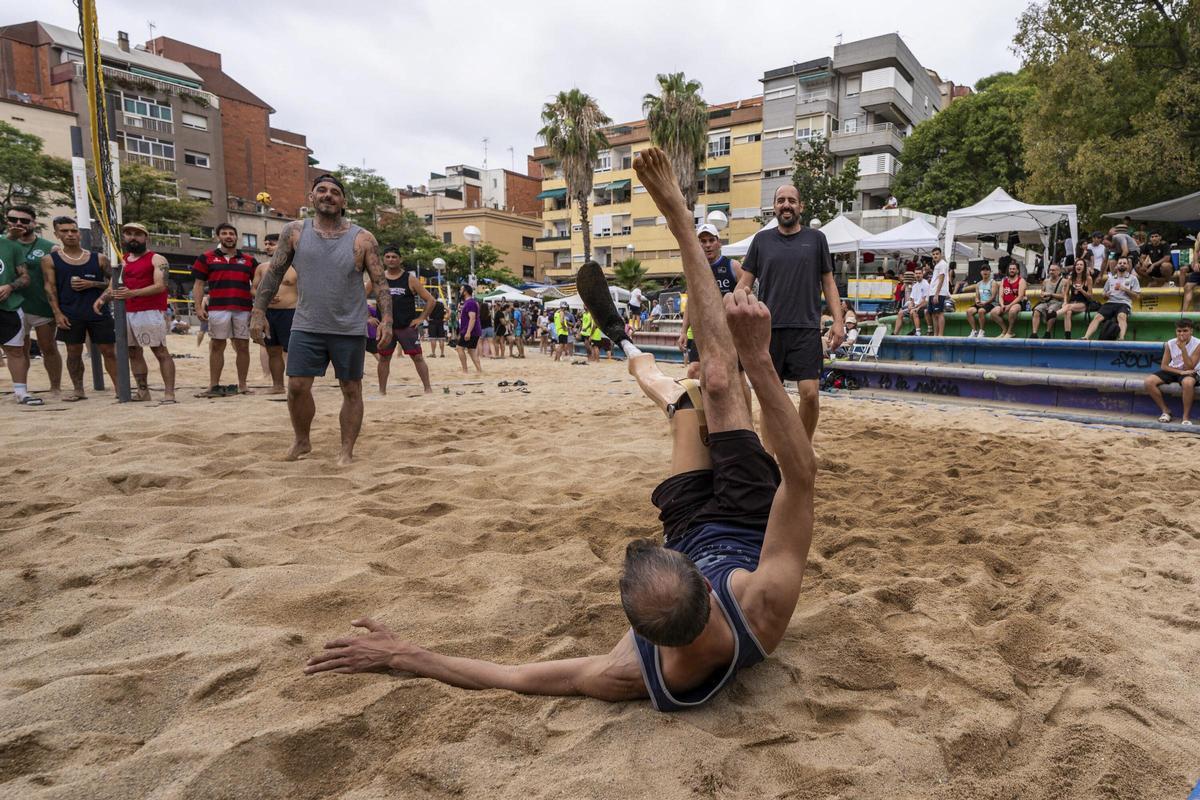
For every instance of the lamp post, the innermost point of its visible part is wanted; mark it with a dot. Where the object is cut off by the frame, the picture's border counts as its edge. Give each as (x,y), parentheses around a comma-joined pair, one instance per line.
(718,219)
(439,264)
(472,235)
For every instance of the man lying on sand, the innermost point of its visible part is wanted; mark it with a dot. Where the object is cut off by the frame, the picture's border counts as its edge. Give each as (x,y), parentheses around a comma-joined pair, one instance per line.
(719,594)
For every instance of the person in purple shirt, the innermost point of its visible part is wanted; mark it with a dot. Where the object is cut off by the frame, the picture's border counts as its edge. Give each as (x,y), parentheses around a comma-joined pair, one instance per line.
(469,329)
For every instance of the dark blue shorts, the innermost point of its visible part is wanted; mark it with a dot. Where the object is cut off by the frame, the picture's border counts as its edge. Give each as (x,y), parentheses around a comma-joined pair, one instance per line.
(279,321)
(310,355)
(937,305)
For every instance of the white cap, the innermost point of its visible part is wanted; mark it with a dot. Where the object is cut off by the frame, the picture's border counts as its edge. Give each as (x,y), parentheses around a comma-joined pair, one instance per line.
(710,229)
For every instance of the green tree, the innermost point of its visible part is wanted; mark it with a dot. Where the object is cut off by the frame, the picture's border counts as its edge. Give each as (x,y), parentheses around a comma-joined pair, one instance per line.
(151,196)
(368,197)
(629,273)
(823,193)
(458,263)
(572,126)
(678,120)
(403,229)
(968,149)
(27,175)
(1117,122)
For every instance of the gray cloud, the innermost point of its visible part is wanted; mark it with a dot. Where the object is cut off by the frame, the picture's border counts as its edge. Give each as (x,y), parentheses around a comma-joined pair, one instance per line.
(411,87)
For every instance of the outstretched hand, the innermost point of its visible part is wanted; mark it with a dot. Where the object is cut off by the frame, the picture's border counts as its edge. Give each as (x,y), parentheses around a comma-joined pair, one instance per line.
(749,322)
(350,654)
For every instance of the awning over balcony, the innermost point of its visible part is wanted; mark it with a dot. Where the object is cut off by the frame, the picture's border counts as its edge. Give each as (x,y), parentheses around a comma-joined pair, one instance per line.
(716,172)
(621,184)
(722,207)
(552,194)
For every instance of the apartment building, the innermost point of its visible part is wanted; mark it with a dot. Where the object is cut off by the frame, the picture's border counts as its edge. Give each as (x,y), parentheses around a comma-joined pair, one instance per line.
(164,117)
(513,234)
(864,101)
(500,189)
(623,219)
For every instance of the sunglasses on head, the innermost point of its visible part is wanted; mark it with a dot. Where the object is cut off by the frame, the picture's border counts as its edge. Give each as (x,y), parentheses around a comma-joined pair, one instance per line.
(20,220)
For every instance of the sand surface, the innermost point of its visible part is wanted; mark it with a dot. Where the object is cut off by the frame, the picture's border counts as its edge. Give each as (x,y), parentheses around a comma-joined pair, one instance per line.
(995,607)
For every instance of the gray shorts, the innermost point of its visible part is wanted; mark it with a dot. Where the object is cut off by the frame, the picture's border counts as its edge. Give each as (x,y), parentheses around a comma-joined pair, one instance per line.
(310,354)
(1048,309)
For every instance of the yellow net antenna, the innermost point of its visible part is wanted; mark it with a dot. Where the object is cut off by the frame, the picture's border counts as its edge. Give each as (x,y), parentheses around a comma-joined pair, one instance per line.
(100,188)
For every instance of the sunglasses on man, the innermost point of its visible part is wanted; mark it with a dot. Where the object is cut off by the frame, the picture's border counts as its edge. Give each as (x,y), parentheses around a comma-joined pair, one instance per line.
(20,220)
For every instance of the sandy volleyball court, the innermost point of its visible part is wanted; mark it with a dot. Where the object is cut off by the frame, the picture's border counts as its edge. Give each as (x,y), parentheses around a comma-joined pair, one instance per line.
(994,608)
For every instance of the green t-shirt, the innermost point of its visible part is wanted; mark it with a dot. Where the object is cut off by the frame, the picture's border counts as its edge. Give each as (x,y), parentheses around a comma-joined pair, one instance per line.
(10,253)
(34,296)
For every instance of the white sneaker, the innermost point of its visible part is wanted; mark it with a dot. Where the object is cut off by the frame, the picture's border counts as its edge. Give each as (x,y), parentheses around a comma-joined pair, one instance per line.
(982,335)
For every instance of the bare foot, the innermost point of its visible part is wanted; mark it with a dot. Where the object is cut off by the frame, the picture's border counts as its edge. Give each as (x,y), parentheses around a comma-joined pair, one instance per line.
(346,458)
(275,390)
(428,390)
(654,171)
(299,448)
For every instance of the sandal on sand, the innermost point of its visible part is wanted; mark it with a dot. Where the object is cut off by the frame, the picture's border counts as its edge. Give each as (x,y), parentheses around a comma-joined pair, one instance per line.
(74,398)
(31,400)
(520,383)
(167,403)
(692,387)
(1164,418)
(502,383)
(216,391)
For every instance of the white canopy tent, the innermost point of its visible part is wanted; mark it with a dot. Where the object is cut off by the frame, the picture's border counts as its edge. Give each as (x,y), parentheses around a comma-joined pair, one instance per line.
(743,247)
(1182,209)
(512,296)
(914,236)
(999,212)
(575,302)
(842,234)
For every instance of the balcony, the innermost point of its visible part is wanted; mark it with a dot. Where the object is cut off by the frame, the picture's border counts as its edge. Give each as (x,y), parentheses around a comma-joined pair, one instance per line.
(558,237)
(123,78)
(867,139)
(164,164)
(147,124)
(888,103)
(813,103)
(877,183)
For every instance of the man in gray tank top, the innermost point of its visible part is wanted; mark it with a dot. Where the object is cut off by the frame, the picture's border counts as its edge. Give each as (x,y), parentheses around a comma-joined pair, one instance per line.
(329,254)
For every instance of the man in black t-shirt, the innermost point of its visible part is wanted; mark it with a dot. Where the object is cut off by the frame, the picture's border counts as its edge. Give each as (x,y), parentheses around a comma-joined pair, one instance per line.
(437,329)
(1155,267)
(794,268)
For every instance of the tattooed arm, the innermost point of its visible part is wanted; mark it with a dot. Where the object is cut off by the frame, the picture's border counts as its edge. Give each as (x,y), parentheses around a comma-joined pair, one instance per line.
(268,283)
(373,266)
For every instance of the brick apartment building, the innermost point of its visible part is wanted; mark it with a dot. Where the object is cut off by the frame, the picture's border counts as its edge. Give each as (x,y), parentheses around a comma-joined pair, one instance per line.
(258,157)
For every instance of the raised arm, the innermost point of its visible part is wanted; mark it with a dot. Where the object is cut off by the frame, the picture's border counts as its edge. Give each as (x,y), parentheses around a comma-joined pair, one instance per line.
(614,676)
(268,282)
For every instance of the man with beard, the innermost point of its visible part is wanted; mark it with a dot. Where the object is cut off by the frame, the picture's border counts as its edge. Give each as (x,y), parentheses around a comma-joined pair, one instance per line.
(329,254)
(229,274)
(405,287)
(144,290)
(793,267)
(280,312)
(35,305)
(74,280)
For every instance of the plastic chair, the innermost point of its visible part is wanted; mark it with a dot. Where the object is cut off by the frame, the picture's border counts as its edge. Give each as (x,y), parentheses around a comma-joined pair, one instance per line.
(862,352)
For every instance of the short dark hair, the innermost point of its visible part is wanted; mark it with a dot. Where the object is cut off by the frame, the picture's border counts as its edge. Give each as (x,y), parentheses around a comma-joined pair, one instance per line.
(1183,322)
(24,209)
(64,220)
(1155,233)
(663,593)
(225,225)
(271,237)
(391,248)
(466,289)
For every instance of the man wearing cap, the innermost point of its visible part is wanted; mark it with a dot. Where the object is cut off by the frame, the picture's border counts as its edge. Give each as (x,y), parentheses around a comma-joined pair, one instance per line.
(144,290)
(35,306)
(329,254)
(229,274)
(794,268)
(726,271)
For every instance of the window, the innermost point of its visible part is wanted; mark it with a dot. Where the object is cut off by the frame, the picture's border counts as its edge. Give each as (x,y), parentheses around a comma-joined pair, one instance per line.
(604,161)
(250,241)
(645,222)
(203,233)
(718,145)
(779,94)
(748,138)
(200,194)
(850,125)
(626,162)
(446,237)
(147,107)
(195,159)
(429,219)
(779,133)
(147,146)
(527,272)
(526,242)
(853,85)
(194,121)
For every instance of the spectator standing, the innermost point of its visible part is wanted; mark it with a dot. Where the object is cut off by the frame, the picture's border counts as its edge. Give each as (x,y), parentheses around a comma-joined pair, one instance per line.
(35,305)
(228,273)
(939,293)
(636,300)
(1121,245)
(469,329)
(487,329)
(1050,302)
(1179,361)
(1119,290)
(1012,299)
(437,330)
(1098,255)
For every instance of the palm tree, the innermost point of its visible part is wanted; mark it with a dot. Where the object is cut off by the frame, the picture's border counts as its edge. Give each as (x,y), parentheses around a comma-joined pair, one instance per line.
(571,129)
(629,273)
(678,120)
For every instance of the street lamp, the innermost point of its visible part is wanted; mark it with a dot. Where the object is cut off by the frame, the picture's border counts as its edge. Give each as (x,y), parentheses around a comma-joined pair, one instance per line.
(439,264)
(814,223)
(718,219)
(472,235)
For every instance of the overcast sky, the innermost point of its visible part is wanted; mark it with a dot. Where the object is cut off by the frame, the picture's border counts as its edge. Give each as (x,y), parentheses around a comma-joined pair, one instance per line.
(413,86)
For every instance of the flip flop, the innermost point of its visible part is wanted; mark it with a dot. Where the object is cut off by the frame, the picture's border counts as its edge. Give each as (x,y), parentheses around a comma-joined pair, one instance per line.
(520,383)
(31,400)
(502,383)
(74,398)
(167,403)
(216,391)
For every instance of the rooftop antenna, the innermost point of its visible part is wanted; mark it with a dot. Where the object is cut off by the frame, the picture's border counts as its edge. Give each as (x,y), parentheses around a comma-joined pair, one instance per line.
(512,158)
(485,144)
(838,42)
(153,47)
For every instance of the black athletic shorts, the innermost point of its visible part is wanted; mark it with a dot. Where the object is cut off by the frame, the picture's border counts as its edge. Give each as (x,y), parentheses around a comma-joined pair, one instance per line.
(470,343)
(279,322)
(693,352)
(796,353)
(310,355)
(1172,377)
(10,325)
(102,331)
(937,305)
(562,338)
(1111,310)
(739,489)
(1193,277)
(437,329)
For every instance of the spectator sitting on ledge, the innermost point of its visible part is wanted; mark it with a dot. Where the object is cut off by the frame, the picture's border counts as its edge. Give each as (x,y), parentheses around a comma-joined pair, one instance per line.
(1050,303)
(1119,289)
(1179,360)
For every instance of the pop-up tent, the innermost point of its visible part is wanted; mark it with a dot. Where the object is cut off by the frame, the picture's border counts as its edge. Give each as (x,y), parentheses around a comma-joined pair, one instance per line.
(1182,209)
(914,236)
(842,235)
(1001,213)
(743,247)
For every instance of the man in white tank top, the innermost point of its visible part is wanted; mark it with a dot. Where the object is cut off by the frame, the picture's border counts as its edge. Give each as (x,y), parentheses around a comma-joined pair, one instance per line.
(1179,361)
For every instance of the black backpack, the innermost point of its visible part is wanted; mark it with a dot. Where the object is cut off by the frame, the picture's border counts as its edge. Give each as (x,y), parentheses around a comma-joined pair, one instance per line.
(1110,330)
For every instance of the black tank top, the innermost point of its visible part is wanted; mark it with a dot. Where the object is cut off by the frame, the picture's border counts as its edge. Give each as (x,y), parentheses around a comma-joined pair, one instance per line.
(78,305)
(404,302)
(722,270)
